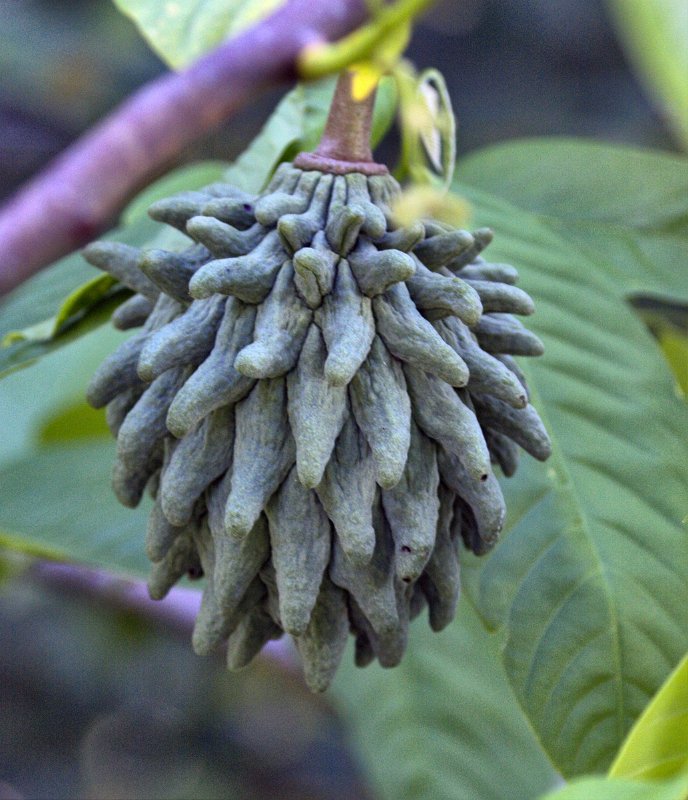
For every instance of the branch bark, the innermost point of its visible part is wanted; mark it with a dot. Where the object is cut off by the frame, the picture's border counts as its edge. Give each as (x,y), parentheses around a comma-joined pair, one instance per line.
(76,197)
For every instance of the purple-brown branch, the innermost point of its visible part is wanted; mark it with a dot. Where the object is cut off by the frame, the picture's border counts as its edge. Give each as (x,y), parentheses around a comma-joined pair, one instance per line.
(76,197)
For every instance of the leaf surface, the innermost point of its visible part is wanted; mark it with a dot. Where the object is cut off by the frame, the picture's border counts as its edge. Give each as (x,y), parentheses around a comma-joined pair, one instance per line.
(56,457)
(181,31)
(589,588)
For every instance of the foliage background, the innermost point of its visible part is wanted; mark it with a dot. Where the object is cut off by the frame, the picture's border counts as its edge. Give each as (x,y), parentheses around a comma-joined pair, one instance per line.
(102,703)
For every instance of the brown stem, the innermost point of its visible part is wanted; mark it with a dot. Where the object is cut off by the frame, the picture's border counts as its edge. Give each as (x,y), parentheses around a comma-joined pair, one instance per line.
(345,143)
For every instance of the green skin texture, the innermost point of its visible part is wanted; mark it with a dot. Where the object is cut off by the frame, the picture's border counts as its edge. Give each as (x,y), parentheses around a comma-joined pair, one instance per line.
(315,400)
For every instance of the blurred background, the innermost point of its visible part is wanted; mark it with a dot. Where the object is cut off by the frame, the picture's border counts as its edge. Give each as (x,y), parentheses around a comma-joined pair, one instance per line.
(100,700)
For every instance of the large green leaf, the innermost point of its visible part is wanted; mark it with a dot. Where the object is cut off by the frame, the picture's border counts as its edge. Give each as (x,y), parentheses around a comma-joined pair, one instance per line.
(589,588)
(611,789)
(444,725)
(180,31)
(655,34)
(657,746)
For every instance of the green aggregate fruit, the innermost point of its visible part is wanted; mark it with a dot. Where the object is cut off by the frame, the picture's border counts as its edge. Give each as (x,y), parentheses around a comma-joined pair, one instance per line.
(315,400)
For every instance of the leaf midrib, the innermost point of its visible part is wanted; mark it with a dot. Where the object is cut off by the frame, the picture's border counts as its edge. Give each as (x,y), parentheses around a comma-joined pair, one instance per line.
(566,487)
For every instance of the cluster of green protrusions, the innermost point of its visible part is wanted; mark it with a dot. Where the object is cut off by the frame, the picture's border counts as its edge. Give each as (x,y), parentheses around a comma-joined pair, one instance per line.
(314,401)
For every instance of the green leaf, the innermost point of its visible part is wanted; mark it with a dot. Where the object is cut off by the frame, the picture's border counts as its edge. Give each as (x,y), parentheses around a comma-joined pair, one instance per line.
(657,746)
(608,789)
(21,348)
(37,318)
(675,348)
(81,301)
(39,298)
(444,724)
(72,422)
(655,35)
(180,32)
(589,588)
(59,505)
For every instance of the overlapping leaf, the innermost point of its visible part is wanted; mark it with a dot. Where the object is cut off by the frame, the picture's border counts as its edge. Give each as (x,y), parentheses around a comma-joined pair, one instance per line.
(622,206)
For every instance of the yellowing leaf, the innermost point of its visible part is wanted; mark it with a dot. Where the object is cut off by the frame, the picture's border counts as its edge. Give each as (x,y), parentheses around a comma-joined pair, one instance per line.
(433,88)
(428,127)
(393,45)
(429,133)
(667,319)
(73,422)
(368,72)
(657,746)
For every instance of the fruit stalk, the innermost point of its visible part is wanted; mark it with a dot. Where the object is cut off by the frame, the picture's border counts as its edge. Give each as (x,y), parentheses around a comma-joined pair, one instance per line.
(345,143)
